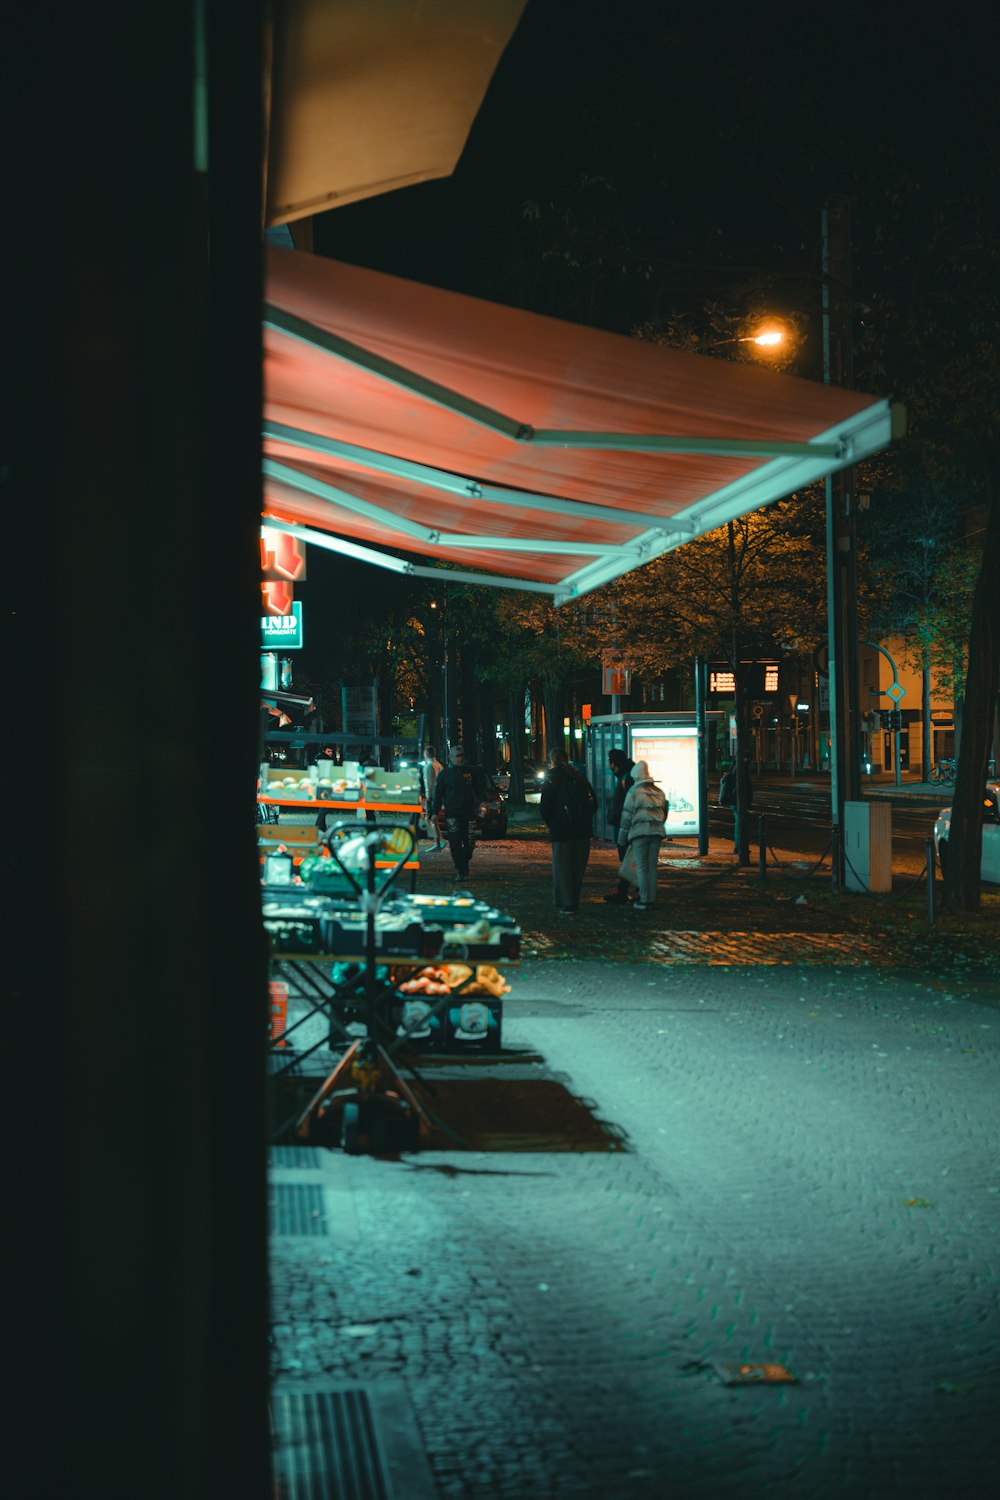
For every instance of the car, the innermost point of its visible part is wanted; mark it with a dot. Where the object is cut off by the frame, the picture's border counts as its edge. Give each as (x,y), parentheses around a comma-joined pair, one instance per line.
(533,774)
(491,819)
(990,868)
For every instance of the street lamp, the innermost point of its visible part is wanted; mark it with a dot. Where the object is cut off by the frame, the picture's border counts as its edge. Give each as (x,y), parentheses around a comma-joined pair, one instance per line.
(770,337)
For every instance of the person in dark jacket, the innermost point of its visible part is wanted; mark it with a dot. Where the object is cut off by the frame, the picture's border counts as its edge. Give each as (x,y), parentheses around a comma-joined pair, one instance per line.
(621,768)
(458,791)
(736,791)
(567,806)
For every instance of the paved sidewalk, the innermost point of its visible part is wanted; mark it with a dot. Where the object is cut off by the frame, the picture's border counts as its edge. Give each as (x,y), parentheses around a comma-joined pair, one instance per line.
(810,1179)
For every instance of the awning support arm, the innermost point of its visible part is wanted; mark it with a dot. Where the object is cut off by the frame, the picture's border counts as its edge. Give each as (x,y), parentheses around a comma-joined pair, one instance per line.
(343,500)
(461,485)
(387,369)
(332,543)
(522,432)
(307,484)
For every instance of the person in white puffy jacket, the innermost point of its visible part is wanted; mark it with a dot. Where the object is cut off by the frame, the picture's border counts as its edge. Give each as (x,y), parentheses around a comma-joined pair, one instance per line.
(642,830)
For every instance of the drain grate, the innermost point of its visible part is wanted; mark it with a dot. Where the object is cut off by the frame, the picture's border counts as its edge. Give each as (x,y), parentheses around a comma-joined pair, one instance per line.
(297,1208)
(327,1447)
(296,1156)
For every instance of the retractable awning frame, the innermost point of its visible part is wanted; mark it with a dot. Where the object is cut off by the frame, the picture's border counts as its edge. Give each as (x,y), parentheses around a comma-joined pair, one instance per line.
(321,482)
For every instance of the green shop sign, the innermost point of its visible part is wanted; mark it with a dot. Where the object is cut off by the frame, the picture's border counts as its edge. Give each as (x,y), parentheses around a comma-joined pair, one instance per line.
(282,632)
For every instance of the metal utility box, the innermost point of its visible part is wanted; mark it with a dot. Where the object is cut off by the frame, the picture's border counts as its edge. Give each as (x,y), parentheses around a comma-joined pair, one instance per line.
(868,846)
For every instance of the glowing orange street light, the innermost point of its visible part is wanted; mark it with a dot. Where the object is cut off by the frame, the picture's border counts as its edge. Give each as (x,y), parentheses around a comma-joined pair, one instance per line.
(771,336)
(768,338)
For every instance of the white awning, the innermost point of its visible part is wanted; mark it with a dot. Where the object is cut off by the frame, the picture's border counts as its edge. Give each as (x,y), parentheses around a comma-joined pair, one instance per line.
(367,96)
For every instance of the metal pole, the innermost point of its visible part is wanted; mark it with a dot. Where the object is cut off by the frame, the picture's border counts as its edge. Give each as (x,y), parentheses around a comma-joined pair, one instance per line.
(447,713)
(929,861)
(762,839)
(832,612)
(701,729)
(849,612)
(895,740)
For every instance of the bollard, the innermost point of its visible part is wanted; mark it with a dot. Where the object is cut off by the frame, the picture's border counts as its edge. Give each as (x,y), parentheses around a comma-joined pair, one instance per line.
(762,840)
(930,880)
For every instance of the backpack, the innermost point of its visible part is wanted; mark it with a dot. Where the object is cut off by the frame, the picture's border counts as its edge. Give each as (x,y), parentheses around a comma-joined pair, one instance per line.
(574,809)
(727,788)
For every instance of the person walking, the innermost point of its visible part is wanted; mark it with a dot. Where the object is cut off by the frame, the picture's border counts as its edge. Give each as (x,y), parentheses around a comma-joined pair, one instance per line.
(430,770)
(567,806)
(642,830)
(621,768)
(457,793)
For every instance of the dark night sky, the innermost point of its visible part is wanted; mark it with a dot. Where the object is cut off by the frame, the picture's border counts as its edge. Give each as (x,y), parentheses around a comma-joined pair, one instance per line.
(695,153)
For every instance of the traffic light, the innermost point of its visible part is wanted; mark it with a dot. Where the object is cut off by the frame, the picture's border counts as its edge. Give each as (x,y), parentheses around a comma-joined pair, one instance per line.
(895,719)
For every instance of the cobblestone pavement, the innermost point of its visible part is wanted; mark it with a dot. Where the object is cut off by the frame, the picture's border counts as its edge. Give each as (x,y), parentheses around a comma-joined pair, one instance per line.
(811,1179)
(708,910)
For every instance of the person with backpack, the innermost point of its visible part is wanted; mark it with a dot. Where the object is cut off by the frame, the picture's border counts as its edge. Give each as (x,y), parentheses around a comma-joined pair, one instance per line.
(568,805)
(643,829)
(457,793)
(621,768)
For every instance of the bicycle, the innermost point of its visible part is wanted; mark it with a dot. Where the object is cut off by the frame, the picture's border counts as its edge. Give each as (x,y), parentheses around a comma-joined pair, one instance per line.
(944,771)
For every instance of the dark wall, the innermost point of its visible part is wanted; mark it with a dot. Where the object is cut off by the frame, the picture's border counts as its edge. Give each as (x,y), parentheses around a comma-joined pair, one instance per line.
(137,980)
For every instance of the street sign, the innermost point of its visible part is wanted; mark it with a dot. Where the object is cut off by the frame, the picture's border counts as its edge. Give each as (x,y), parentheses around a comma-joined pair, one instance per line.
(895,691)
(759,679)
(282,557)
(284,631)
(617,682)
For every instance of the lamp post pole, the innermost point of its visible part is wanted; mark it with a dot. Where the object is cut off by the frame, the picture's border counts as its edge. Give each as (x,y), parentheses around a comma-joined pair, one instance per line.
(841,541)
(447,706)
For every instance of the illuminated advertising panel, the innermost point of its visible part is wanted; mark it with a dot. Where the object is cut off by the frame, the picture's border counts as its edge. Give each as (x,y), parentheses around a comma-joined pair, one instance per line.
(283,630)
(671,752)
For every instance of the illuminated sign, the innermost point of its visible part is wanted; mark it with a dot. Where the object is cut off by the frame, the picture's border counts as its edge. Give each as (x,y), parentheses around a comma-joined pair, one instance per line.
(617,682)
(672,756)
(284,631)
(282,557)
(276,597)
(760,680)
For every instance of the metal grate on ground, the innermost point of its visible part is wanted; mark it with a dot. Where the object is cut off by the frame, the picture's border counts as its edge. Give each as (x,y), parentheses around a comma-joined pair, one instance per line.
(327,1447)
(303,1157)
(297,1208)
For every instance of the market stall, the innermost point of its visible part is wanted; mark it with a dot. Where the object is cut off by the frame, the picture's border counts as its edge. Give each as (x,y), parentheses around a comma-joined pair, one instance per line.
(290,805)
(393,974)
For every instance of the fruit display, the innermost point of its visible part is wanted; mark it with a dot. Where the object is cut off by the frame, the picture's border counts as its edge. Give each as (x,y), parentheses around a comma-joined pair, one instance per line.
(483,979)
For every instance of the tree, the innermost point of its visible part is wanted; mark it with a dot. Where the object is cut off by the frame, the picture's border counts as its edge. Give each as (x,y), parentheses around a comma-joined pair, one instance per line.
(913,558)
(934,323)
